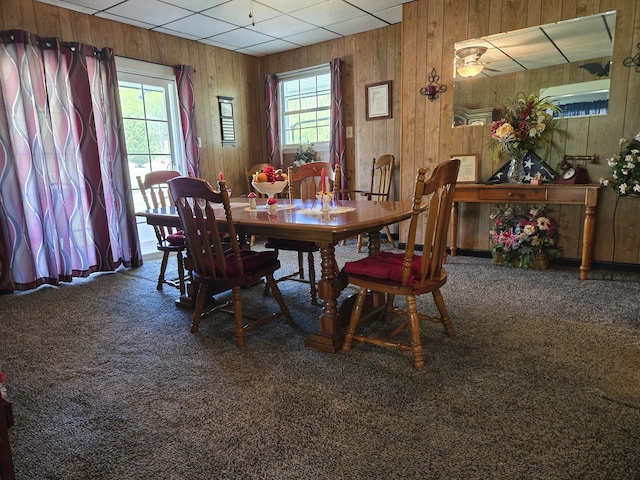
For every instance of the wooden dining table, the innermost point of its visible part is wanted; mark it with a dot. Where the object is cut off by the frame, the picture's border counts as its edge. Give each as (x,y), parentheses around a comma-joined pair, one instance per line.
(304,220)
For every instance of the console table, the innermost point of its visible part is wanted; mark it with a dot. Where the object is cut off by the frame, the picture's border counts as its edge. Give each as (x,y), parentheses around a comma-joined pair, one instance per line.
(586,195)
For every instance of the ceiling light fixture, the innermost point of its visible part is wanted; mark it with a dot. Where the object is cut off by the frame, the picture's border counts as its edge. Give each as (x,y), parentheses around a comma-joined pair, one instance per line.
(468,61)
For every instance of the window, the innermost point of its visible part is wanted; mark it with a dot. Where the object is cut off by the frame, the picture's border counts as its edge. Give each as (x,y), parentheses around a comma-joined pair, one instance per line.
(150,113)
(305,115)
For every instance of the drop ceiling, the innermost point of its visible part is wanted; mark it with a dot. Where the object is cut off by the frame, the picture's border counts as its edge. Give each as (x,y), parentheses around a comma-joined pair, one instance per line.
(274,26)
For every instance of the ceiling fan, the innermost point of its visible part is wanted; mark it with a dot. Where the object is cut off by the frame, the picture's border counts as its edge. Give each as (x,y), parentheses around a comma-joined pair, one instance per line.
(468,61)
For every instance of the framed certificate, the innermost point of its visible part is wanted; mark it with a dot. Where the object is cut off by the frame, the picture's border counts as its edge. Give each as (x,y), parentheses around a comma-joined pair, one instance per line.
(468,168)
(378,100)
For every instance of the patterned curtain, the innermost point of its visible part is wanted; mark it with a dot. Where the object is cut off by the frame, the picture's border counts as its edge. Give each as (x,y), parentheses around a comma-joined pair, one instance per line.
(66,208)
(186,98)
(273,129)
(337,145)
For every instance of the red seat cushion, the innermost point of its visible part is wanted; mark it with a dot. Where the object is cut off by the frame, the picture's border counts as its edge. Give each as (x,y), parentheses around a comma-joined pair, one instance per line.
(251,261)
(176,239)
(384,266)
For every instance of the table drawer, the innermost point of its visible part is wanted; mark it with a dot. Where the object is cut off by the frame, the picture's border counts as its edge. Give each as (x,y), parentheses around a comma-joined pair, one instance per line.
(508,194)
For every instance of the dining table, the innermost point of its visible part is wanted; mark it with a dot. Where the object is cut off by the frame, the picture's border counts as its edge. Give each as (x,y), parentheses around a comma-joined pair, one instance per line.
(308,220)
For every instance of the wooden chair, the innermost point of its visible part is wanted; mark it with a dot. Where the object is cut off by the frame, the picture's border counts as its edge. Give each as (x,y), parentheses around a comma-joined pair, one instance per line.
(155,193)
(304,183)
(381,176)
(406,273)
(218,265)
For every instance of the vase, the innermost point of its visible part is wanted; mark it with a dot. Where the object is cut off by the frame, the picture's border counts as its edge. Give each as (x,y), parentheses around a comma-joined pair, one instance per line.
(515,174)
(498,259)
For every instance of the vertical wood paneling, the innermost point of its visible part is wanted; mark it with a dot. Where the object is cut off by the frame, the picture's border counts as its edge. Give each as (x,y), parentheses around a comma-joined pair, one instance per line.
(593,135)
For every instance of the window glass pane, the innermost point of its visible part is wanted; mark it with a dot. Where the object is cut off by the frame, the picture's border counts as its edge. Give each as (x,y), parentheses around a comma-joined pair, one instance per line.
(131,100)
(139,161)
(135,134)
(155,103)
(158,137)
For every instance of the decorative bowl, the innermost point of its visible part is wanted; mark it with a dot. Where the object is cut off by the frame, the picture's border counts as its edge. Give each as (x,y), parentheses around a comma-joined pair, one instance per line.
(269,188)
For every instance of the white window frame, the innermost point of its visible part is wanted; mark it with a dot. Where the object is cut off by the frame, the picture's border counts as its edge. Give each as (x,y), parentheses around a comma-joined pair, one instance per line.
(162,76)
(295,75)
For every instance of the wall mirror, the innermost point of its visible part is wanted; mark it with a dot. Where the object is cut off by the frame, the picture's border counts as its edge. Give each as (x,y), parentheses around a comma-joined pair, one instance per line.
(570,59)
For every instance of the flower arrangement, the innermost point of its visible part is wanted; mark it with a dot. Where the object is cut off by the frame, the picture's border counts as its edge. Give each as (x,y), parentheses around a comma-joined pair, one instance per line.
(519,236)
(527,124)
(3,390)
(304,154)
(625,168)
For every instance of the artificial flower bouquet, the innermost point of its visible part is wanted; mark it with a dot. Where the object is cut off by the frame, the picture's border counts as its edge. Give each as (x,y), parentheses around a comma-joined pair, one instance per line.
(527,124)
(625,168)
(518,235)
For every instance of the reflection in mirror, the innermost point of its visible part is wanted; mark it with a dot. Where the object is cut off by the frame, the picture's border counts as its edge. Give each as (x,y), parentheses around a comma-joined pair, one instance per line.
(568,61)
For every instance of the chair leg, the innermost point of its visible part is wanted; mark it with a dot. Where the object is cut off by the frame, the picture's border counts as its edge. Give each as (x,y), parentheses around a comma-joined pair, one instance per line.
(390,309)
(201,298)
(181,273)
(237,315)
(414,326)
(163,268)
(356,313)
(279,298)
(301,265)
(389,237)
(312,280)
(445,319)
(360,243)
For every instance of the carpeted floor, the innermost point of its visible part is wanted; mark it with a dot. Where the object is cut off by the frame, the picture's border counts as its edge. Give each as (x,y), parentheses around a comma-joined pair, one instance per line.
(541,381)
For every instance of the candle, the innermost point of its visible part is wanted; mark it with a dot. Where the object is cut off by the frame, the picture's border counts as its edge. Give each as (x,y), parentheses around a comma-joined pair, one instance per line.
(323,181)
(221,176)
(432,89)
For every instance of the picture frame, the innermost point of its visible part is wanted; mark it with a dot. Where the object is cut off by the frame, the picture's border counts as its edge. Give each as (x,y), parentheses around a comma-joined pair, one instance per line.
(226,120)
(468,168)
(378,100)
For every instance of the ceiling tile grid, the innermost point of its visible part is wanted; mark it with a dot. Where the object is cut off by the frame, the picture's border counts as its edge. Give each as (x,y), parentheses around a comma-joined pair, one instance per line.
(274,25)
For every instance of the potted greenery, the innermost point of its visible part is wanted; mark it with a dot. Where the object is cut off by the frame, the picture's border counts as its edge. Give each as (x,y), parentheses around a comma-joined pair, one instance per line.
(304,154)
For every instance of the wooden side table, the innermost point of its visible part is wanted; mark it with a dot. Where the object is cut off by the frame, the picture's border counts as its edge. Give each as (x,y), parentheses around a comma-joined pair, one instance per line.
(547,193)
(6,460)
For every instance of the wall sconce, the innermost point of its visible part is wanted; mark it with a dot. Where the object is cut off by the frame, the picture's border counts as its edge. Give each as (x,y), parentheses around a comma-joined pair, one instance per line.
(633,61)
(433,88)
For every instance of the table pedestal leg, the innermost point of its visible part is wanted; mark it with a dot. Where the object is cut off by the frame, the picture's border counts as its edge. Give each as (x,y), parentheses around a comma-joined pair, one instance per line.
(454,228)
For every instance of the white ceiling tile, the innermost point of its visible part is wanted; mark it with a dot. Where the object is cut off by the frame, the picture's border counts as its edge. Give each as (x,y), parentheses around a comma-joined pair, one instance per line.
(317,35)
(128,21)
(356,25)
(168,31)
(70,6)
(241,37)
(288,6)
(195,5)
(377,5)
(327,13)
(282,26)
(200,26)
(96,4)
(391,15)
(149,11)
(237,12)
(273,46)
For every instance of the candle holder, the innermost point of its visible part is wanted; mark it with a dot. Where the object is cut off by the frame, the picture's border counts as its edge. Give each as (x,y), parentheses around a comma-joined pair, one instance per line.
(326,198)
(433,88)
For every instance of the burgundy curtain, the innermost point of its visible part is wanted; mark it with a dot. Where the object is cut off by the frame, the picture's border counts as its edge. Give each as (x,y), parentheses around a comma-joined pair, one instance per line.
(186,99)
(273,130)
(66,208)
(337,144)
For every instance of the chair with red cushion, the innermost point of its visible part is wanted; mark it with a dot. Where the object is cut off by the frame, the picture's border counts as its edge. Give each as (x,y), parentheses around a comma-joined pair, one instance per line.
(155,193)
(215,259)
(304,183)
(406,273)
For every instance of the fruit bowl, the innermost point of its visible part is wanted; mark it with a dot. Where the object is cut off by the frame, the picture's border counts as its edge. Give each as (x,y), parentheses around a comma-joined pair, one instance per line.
(270,188)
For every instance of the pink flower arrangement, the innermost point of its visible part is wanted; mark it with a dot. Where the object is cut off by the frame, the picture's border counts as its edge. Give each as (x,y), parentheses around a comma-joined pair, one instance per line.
(520,235)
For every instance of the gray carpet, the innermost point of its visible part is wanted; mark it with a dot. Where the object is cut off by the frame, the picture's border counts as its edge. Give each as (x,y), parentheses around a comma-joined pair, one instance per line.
(540,382)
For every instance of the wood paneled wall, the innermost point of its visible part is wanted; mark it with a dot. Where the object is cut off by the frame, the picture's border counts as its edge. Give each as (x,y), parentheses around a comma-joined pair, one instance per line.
(368,57)
(420,133)
(218,72)
(430,29)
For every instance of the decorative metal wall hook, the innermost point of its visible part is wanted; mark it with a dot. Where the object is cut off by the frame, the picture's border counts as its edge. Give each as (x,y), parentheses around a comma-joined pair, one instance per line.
(433,88)
(633,61)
